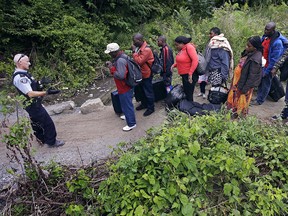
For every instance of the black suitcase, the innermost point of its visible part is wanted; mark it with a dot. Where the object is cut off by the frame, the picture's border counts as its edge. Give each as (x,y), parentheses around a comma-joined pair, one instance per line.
(277,90)
(116,102)
(159,90)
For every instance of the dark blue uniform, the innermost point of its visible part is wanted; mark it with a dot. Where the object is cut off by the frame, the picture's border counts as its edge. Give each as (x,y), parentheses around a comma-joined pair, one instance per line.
(42,124)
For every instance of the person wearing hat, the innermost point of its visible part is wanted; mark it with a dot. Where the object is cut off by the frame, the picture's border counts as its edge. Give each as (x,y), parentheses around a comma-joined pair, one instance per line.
(247,76)
(143,56)
(186,64)
(119,69)
(42,124)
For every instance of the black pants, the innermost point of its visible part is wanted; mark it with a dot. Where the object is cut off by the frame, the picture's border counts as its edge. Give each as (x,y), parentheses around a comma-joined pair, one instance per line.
(189,87)
(148,100)
(202,87)
(42,124)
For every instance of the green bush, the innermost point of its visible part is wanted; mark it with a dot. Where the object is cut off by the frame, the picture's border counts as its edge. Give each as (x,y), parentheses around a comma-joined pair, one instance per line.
(207,165)
(237,23)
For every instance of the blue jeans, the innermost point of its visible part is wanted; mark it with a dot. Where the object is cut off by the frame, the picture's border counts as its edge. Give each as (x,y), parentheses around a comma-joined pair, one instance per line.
(148,100)
(127,107)
(264,88)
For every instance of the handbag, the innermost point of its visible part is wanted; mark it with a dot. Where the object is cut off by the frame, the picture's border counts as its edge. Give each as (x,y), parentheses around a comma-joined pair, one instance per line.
(218,95)
(202,64)
(276,90)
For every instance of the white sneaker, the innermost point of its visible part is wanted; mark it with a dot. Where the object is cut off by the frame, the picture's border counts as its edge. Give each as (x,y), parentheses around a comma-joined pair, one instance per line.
(204,96)
(122,117)
(199,95)
(127,128)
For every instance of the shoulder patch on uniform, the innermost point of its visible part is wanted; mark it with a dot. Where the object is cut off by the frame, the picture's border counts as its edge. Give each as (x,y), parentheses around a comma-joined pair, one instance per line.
(22,75)
(24,80)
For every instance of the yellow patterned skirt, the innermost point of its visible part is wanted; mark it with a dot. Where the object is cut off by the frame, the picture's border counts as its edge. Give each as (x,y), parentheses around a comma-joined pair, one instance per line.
(236,102)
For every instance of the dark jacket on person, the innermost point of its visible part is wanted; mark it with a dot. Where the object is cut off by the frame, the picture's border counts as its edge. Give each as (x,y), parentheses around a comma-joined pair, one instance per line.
(251,72)
(281,61)
(167,58)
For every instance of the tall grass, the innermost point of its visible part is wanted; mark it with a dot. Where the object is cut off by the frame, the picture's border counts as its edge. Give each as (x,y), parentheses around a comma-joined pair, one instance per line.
(237,23)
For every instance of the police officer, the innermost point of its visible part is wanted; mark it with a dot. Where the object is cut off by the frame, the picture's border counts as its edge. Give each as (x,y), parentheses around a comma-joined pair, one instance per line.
(42,124)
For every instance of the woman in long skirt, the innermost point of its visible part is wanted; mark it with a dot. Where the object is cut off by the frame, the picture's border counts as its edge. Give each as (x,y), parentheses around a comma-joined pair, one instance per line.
(247,76)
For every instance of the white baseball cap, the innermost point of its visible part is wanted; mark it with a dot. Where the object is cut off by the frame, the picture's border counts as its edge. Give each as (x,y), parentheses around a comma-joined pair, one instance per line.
(112,47)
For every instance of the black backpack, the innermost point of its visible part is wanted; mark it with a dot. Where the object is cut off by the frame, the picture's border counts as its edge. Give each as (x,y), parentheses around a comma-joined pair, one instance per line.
(134,75)
(156,67)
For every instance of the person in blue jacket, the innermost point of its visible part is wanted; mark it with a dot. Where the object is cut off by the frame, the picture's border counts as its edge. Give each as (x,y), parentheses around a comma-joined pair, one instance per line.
(274,45)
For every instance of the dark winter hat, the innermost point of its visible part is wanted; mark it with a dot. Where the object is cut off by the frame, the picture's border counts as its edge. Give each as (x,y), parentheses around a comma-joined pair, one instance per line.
(183,39)
(256,42)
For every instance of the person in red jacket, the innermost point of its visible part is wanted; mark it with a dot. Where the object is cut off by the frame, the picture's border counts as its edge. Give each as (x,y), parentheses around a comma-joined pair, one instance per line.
(119,69)
(143,56)
(186,64)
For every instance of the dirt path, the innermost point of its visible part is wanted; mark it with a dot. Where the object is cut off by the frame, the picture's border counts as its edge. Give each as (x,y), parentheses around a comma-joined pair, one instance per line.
(92,136)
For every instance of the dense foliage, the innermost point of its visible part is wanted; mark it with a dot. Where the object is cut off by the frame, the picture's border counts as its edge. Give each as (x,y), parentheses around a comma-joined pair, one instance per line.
(207,165)
(65,39)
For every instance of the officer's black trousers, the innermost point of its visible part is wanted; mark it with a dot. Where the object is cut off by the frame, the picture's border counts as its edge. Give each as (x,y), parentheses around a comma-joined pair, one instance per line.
(42,124)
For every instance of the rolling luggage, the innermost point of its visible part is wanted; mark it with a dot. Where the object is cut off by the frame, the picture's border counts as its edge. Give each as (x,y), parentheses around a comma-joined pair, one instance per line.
(277,90)
(116,102)
(159,90)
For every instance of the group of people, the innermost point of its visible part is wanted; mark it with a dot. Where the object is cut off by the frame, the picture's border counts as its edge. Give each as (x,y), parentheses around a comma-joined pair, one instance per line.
(142,54)
(255,69)
(258,64)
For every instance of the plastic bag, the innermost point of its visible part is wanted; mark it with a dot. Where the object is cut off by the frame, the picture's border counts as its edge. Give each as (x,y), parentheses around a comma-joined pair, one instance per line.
(174,96)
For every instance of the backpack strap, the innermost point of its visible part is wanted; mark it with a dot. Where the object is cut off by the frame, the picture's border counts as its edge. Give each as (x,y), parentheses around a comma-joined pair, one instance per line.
(150,66)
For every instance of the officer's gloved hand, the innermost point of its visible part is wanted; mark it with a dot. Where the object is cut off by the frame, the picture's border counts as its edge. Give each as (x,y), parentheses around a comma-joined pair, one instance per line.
(52,91)
(45,80)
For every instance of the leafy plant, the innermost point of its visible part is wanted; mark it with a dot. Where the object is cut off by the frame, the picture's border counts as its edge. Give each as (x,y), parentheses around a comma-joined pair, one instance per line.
(206,165)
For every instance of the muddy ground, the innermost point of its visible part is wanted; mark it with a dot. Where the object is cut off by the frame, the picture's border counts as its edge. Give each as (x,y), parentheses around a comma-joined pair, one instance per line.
(92,136)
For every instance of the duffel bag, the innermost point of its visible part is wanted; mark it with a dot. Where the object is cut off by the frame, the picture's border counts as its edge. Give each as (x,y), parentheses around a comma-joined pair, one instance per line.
(218,95)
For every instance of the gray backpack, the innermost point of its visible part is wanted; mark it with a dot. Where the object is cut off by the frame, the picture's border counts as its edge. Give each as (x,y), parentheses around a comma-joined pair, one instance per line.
(134,76)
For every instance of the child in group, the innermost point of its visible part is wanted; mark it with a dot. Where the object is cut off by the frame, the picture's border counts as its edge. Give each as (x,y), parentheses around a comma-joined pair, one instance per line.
(202,82)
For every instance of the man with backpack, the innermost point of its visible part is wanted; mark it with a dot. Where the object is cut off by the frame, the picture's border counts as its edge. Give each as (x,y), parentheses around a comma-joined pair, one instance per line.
(143,55)
(119,69)
(42,124)
(167,60)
